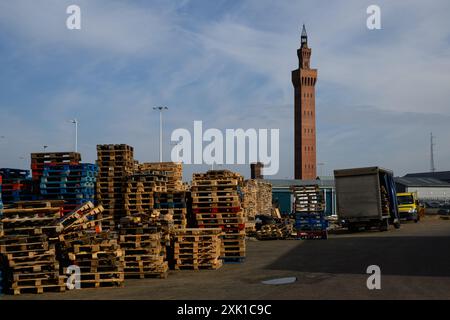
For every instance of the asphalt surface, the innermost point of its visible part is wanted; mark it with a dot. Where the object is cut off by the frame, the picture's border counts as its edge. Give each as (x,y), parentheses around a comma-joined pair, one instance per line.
(414,263)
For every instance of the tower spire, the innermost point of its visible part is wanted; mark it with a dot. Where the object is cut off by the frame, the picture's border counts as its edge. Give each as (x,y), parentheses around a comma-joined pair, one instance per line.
(304,37)
(304,31)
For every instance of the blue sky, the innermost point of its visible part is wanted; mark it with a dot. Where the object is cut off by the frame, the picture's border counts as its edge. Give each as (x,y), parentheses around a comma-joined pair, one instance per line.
(379,93)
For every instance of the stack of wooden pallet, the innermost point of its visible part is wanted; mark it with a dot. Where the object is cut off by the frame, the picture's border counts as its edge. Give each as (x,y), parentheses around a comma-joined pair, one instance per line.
(27,254)
(75,184)
(309,207)
(84,218)
(216,204)
(173,204)
(99,257)
(115,162)
(83,243)
(257,198)
(140,241)
(17,185)
(174,171)
(139,190)
(249,199)
(39,160)
(197,249)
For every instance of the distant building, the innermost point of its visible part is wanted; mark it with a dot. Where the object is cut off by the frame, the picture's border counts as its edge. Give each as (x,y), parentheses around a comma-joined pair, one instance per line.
(426,188)
(440,175)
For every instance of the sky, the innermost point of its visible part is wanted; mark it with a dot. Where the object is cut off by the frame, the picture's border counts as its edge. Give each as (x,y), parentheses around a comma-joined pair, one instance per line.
(228,63)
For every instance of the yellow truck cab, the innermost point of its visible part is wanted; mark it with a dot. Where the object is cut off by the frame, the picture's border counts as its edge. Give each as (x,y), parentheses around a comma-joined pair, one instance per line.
(409,207)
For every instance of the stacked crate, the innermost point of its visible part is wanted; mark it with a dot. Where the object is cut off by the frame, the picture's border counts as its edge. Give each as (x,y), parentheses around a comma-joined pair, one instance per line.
(99,257)
(143,251)
(309,208)
(75,184)
(257,198)
(197,249)
(17,185)
(39,160)
(216,204)
(174,171)
(139,190)
(115,163)
(28,257)
(174,204)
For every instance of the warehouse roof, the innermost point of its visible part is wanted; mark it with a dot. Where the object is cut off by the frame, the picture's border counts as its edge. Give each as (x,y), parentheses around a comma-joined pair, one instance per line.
(286,183)
(421,182)
(440,175)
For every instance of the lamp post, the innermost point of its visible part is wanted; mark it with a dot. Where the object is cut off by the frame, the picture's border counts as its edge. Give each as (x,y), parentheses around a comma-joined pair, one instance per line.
(161,109)
(75,122)
(320,164)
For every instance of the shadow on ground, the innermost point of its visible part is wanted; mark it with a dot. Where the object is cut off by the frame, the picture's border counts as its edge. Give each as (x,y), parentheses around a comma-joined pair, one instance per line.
(407,256)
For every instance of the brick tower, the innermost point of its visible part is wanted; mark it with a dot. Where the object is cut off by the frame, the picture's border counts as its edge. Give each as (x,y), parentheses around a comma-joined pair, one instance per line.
(304,81)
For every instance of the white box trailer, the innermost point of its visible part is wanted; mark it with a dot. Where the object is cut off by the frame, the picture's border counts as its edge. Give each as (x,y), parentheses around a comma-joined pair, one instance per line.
(366,197)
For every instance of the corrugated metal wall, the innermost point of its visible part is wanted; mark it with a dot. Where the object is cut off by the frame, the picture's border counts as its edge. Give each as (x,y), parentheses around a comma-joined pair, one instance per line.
(430,193)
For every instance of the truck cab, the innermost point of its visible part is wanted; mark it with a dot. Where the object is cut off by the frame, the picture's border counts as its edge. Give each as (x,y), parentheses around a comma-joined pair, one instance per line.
(409,207)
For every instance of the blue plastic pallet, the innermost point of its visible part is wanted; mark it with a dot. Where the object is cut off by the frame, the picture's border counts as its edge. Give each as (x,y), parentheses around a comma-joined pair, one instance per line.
(9,173)
(67,185)
(233,260)
(299,215)
(170,205)
(65,179)
(71,167)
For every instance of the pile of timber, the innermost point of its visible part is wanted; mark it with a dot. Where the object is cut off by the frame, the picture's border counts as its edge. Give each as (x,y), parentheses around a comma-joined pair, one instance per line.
(277,231)
(197,249)
(115,163)
(27,250)
(216,204)
(173,170)
(142,247)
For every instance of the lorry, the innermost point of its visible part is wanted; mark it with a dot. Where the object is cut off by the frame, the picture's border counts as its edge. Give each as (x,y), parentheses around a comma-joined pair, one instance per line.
(409,207)
(366,197)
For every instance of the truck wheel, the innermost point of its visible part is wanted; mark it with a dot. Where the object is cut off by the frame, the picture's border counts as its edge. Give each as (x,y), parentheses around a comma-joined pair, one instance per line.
(384,225)
(352,228)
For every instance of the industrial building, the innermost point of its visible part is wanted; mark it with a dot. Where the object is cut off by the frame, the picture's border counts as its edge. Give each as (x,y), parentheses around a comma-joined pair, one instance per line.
(426,188)
(439,175)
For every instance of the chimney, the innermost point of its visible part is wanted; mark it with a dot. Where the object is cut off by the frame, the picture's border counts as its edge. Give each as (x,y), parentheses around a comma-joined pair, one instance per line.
(256,170)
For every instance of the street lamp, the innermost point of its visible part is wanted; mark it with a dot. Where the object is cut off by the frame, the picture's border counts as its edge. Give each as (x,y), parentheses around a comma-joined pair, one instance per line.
(320,164)
(75,122)
(161,109)
(45,147)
